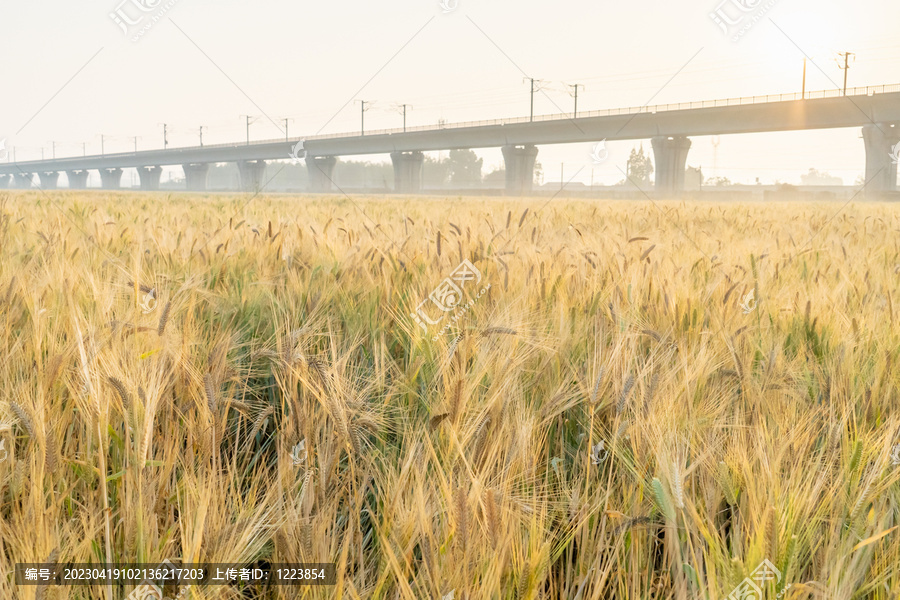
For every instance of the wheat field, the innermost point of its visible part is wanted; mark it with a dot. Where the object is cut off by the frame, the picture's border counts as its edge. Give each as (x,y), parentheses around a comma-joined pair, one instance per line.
(648,399)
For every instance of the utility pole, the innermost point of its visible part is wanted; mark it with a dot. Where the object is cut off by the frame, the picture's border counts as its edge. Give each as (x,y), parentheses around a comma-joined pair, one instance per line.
(54,150)
(165,136)
(575,87)
(803,95)
(201,135)
(362,114)
(404,107)
(248,128)
(102,146)
(135,144)
(286,136)
(533,90)
(846,66)
(42,153)
(84,148)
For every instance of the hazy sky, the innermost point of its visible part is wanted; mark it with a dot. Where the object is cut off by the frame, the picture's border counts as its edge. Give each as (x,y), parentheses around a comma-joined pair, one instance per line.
(207,63)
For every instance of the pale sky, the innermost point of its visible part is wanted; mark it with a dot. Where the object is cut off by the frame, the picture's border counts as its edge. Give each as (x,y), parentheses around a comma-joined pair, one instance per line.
(307,61)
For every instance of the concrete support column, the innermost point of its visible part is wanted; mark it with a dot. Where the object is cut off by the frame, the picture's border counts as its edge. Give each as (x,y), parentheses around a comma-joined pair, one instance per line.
(408,169)
(49,179)
(150,178)
(881,168)
(253,173)
(321,172)
(195,176)
(111,179)
(519,161)
(24,180)
(77,179)
(4,181)
(670,158)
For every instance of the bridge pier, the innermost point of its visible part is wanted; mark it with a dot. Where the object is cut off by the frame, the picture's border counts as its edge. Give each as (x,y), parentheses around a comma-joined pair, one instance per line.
(195,176)
(408,168)
(49,179)
(321,172)
(111,179)
(149,178)
(519,161)
(24,180)
(670,158)
(77,179)
(881,170)
(253,173)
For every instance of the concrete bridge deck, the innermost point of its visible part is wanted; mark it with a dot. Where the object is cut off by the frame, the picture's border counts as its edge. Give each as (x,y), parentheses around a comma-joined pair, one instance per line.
(669,127)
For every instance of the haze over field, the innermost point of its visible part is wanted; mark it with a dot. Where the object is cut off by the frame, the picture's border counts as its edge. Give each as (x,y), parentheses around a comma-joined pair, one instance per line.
(206,63)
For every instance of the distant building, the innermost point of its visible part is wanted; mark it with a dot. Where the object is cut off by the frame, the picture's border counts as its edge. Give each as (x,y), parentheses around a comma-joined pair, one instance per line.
(693,179)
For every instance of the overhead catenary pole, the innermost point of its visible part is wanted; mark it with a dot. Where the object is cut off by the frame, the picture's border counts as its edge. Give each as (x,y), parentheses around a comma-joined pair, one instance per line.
(531,111)
(405,106)
(286,136)
(201,135)
(846,67)
(135,144)
(165,136)
(102,146)
(247,117)
(575,87)
(803,93)
(362,116)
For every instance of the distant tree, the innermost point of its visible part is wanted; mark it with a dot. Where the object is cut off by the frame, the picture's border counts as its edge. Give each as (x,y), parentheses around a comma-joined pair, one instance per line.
(358,174)
(814,177)
(719,181)
(436,172)
(495,179)
(465,168)
(640,167)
